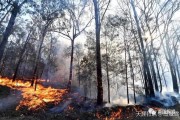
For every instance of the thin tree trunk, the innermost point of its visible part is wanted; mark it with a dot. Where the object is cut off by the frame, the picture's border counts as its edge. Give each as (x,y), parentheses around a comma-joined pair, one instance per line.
(36,83)
(125,47)
(170,61)
(150,58)
(174,78)
(166,58)
(107,73)
(159,77)
(20,57)
(176,66)
(177,70)
(44,31)
(163,75)
(71,64)
(38,58)
(132,72)
(141,71)
(147,74)
(153,71)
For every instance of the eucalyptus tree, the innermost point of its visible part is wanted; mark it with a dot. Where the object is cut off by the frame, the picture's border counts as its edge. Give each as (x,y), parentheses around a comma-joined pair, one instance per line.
(78,54)
(98,20)
(46,13)
(72,25)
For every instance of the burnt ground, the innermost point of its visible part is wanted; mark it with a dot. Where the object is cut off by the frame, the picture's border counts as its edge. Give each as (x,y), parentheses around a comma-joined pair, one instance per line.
(73,107)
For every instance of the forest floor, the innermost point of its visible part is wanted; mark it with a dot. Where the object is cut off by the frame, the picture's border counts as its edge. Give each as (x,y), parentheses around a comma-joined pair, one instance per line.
(73,107)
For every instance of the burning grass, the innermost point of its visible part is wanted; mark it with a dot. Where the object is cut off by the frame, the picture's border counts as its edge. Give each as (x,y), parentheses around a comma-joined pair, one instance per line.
(70,105)
(34,100)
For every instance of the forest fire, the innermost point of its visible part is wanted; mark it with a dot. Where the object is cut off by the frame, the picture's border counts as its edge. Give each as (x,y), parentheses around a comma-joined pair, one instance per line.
(34,100)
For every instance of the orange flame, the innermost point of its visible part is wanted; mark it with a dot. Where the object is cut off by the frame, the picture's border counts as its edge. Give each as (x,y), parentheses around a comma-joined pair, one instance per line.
(34,100)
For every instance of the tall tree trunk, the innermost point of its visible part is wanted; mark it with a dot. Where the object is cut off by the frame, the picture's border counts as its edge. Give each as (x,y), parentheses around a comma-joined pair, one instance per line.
(177,69)
(132,72)
(125,53)
(165,56)
(170,61)
(108,80)
(20,57)
(176,66)
(71,64)
(174,78)
(139,64)
(9,28)
(162,69)
(38,76)
(49,61)
(107,73)
(159,77)
(43,34)
(98,54)
(38,58)
(172,70)
(153,70)
(147,75)
(150,58)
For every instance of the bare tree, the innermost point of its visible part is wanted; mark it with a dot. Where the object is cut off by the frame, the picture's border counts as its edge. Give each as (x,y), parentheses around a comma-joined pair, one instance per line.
(147,76)
(72,26)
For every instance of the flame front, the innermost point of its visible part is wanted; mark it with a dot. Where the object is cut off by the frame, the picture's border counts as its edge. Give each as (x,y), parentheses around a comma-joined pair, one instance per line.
(34,100)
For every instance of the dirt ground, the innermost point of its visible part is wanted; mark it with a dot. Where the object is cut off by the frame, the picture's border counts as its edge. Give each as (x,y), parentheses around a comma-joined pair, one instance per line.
(81,111)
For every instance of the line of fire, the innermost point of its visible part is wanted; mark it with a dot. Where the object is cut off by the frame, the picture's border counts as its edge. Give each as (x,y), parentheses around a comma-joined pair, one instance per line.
(89,59)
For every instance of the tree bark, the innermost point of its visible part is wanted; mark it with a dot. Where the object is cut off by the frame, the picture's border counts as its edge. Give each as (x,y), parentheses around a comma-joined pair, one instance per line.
(98,54)
(71,64)
(125,53)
